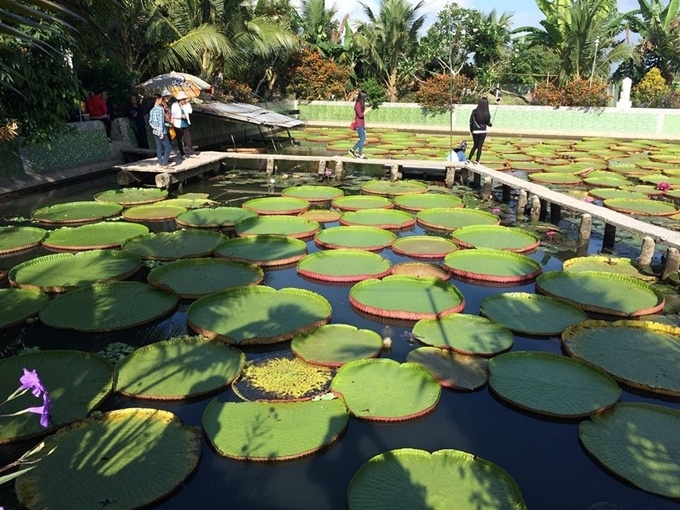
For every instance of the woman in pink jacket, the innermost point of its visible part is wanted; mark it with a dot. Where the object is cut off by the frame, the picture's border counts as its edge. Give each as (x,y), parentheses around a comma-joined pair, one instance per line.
(359,126)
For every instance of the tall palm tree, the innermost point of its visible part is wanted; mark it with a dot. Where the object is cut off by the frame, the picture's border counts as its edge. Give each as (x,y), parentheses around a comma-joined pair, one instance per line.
(389,38)
(318,26)
(492,46)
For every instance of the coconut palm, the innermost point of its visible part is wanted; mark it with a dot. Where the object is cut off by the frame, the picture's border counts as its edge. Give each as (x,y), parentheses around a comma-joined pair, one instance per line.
(390,38)
(318,25)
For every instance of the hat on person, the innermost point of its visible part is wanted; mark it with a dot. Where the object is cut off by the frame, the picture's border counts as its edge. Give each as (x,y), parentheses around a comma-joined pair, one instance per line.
(166,92)
(181,95)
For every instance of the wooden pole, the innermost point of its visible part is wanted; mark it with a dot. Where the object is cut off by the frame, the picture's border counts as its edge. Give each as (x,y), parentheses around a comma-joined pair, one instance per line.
(646,252)
(521,203)
(585,229)
(609,236)
(535,213)
(672,264)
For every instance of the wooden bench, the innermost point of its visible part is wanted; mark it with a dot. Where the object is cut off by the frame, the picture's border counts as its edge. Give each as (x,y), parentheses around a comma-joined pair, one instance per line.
(133,154)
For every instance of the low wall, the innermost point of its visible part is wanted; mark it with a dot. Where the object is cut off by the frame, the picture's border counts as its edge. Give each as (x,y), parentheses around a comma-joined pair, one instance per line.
(648,123)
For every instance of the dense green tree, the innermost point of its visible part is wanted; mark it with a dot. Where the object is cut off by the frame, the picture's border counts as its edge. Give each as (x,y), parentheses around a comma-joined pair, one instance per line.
(319,27)
(529,64)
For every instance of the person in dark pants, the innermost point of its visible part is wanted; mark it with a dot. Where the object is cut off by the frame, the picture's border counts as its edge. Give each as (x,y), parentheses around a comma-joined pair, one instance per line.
(359,126)
(480,118)
(135,113)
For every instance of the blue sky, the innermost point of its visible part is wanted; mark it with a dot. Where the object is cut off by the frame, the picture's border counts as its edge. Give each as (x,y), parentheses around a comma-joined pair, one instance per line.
(525,11)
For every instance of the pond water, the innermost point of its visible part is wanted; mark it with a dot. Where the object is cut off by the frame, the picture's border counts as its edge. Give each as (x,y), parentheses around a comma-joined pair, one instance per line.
(544,456)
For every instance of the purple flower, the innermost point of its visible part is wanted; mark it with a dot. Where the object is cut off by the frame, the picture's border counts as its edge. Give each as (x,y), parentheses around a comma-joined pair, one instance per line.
(43,410)
(663,186)
(550,233)
(495,210)
(30,380)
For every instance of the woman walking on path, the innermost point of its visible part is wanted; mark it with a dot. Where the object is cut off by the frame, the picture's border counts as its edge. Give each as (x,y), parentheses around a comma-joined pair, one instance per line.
(359,126)
(480,118)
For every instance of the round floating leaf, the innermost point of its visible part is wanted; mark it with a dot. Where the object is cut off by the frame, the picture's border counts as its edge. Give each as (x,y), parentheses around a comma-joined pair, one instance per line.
(605,293)
(174,245)
(388,188)
(421,270)
(406,297)
(263,250)
(190,201)
(452,219)
(103,459)
(14,239)
(193,278)
(555,178)
(415,202)
(443,480)
(496,237)
(391,219)
(451,369)
(424,247)
(258,315)
(492,265)
(613,181)
(321,216)
(605,264)
(76,212)
(132,196)
(284,430)
(93,237)
(336,344)
(178,368)
(467,334)
(17,305)
(607,193)
(344,265)
(154,212)
(276,205)
(384,390)
(282,378)
(213,217)
(76,382)
(108,307)
(359,202)
(551,384)
(531,314)
(638,442)
(61,272)
(291,226)
(365,238)
(641,207)
(313,193)
(642,354)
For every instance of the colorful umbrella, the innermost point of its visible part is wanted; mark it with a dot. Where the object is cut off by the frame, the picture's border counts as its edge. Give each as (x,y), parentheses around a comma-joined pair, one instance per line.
(176,82)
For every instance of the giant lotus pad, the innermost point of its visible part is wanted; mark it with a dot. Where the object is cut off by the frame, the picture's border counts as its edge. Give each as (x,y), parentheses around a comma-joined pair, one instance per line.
(291,226)
(492,265)
(344,265)
(448,219)
(93,236)
(174,245)
(365,238)
(390,219)
(76,212)
(14,239)
(217,217)
(387,188)
(336,344)
(17,305)
(496,237)
(263,250)
(452,369)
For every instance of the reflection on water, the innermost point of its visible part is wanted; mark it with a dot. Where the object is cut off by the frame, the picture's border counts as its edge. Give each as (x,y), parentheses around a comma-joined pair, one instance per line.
(543,456)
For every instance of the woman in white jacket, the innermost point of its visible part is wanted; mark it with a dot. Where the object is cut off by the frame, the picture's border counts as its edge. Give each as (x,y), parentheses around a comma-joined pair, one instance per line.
(188,110)
(179,121)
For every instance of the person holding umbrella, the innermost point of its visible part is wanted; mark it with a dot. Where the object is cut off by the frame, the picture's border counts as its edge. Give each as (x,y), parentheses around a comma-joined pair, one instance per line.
(160,133)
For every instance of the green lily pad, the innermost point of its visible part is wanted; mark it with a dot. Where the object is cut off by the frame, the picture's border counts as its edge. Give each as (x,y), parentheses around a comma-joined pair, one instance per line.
(531,314)
(77,382)
(492,265)
(497,237)
(313,193)
(96,236)
(291,226)
(344,265)
(76,212)
(193,278)
(191,201)
(421,270)
(108,307)
(452,219)
(388,188)
(101,458)
(15,239)
(384,390)
(641,354)
(174,245)
(466,334)
(258,315)
(605,264)
(282,378)
(642,207)
(17,305)
(605,293)
(555,178)
(263,250)
(424,247)
(178,369)
(224,217)
(607,193)
(409,478)
(336,344)
(365,238)
(61,272)
(321,216)
(406,297)
(452,369)
(132,196)
(284,430)
(161,211)
(613,181)
(415,202)
(552,384)
(389,219)
(276,205)
(359,202)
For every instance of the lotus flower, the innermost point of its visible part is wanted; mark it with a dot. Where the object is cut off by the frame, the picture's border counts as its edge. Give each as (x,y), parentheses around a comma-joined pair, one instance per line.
(663,186)
(495,210)
(550,234)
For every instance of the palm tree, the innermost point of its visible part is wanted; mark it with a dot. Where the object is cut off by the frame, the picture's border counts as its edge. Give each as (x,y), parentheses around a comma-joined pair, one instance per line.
(491,44)
(390,38)
(318,26)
